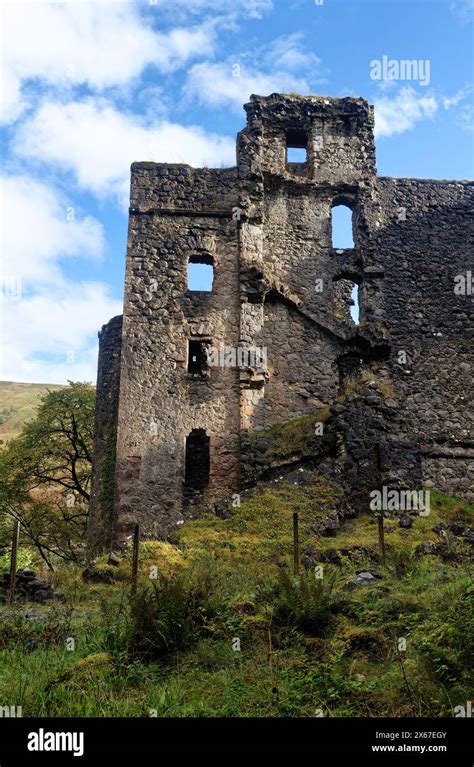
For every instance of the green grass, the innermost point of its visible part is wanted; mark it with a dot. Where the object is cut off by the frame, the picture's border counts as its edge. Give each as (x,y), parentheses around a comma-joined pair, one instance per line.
(296,436)
(296,440)
(334,644)
(359,380)
(361,533)
(19,403)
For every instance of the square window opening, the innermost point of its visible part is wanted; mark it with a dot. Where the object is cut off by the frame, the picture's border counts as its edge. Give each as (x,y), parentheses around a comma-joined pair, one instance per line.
(296,147)
(200,273)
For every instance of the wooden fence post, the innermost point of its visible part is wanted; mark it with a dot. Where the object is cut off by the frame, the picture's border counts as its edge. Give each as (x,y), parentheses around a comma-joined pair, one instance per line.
(381,538)
(270,665)
(136,546)
(296,545)
(13,560)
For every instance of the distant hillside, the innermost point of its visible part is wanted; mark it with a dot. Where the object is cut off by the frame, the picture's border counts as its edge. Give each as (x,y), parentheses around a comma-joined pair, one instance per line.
(18,404)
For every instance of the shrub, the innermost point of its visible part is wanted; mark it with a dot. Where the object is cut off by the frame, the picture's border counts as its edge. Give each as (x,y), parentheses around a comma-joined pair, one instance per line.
(169,616)
(114,628)
(446,643)
(35,630)
(26,558)
(305,601)
(402,561)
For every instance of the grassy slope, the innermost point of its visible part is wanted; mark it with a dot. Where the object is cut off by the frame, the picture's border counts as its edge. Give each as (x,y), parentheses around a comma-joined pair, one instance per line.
(18,404)
(345,666)
(336,653)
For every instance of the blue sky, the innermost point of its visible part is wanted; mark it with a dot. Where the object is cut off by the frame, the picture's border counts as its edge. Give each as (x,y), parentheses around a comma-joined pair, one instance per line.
(89,87)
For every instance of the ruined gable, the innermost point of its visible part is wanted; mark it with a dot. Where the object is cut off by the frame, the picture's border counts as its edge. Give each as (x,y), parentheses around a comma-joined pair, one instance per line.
(279,284)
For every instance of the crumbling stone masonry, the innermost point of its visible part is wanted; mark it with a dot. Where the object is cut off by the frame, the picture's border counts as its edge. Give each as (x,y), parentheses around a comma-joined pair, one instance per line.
(170,428)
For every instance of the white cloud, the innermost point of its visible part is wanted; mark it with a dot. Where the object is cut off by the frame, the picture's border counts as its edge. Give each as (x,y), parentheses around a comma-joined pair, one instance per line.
(403,111)
(12,102)
(452,101)
(98,144)
(51,336)
(406,108)
(281,66)
(39,227)
(231,84)
(250,8)
(466,118)
(463,10)
(287,53)
(48,323)
(98,44)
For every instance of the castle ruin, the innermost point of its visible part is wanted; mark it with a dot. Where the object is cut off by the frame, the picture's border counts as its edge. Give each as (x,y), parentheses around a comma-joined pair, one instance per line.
(172,421)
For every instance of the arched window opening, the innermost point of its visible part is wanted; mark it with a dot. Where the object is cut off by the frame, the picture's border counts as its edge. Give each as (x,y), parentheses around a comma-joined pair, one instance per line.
(201,273)
(341,227)
(197,462)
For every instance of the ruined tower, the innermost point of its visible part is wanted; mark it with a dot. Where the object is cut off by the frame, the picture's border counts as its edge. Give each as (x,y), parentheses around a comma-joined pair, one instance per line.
(171,422)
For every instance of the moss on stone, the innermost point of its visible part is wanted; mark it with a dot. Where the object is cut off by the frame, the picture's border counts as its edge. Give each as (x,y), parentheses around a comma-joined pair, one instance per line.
(107,484)
(284,444)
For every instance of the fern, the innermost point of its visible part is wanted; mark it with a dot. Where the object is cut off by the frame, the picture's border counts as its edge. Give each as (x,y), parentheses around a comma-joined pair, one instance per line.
(306,601)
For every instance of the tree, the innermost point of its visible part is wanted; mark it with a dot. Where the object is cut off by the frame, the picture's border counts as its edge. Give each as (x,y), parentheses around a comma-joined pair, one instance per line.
(45,473)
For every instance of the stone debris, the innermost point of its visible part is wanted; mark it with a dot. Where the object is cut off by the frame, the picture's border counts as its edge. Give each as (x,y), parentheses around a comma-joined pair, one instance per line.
(365,577)
(29,588)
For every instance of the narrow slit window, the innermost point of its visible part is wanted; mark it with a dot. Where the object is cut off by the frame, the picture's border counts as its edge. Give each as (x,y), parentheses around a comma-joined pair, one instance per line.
(197,461)
(346,300)
(197,358)
(201,273)
(342,233)
(355,308)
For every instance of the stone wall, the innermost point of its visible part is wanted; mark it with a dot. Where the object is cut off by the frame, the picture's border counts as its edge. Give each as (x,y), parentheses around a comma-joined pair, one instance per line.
(425,239)
(279,285)
(176,213)
(372,454)
(451,471)
(101,508)
(302,365)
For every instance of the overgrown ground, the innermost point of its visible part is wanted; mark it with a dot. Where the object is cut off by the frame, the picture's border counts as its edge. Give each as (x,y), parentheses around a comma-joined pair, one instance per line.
(228,583)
